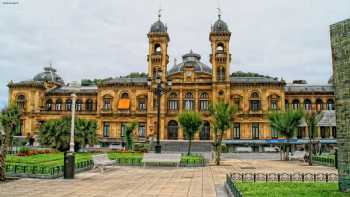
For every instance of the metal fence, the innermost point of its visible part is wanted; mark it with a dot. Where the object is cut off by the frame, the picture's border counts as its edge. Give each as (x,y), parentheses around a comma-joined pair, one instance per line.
(233,178)
(324,160)
(37,171)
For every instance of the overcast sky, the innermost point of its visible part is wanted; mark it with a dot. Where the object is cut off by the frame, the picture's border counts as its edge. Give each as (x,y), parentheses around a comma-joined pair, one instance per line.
(107,38)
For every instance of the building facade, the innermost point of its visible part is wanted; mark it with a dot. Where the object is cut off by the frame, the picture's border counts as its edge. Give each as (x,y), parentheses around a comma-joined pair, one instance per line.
(195,85)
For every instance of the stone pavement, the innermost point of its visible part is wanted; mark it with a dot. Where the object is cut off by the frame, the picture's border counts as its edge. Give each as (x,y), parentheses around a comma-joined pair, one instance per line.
(150,181)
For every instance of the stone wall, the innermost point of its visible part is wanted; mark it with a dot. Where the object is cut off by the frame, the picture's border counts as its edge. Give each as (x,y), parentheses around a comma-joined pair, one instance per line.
(340,39)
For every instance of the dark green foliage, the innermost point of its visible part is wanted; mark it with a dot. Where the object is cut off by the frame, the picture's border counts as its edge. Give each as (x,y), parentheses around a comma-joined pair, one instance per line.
(190,122)
(56,133)
(128,134)
(141,147)
(136,75)
(9,121)
(222,115)
(250,74)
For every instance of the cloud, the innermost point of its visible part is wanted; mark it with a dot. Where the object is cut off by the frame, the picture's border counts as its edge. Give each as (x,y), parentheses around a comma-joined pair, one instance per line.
(93,39)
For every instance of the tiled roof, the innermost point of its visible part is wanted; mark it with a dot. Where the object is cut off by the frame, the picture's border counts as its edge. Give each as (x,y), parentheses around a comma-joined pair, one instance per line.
(68,89)
(309,88)
(254,80)
(140,80)
(26,83)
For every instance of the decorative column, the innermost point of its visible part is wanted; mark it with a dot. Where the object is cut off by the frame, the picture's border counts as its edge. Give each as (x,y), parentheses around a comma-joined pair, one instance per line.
(340,39)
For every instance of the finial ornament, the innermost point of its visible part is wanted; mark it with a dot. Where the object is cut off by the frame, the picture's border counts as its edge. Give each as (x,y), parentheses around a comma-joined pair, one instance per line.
(219,13)
(159,14)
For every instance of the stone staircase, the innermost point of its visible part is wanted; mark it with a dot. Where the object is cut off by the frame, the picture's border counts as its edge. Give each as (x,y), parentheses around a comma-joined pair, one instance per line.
(182,146)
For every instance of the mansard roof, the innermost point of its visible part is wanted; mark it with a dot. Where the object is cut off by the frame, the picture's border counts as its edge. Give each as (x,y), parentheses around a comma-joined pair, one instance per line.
(252,80)
(68,89)
(26,83)
(309,88)
(125,80)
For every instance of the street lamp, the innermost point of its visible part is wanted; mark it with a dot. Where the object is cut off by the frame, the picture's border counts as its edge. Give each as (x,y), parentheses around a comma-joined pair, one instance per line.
(160,89)
(69,157)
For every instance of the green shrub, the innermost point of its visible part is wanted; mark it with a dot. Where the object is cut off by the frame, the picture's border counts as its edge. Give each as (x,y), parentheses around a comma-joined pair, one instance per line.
(141,147)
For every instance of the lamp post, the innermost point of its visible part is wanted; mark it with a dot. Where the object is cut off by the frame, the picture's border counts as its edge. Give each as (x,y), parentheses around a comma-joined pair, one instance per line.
(160,88)
(69,157)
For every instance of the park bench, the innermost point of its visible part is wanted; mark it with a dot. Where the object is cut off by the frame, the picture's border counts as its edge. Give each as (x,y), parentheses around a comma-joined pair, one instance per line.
(161,158)
(298,155)
(101,161)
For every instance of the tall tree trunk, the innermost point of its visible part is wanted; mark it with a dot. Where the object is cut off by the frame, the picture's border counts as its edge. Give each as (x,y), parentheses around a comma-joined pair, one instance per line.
(189,146)
(3,151)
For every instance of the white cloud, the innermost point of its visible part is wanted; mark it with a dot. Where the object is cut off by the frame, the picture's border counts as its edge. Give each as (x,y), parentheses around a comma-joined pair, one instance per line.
(92,39)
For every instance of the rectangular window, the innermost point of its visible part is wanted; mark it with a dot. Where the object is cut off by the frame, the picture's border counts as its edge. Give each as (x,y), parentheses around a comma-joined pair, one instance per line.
(204,105)
(173,105)
(106,128)
(142,105)
(274,104)
(274,133)
(142,130)
(188,104)
(107,104)
(255,105)
(237,104)
(123,129)
(255,130)
(237,131)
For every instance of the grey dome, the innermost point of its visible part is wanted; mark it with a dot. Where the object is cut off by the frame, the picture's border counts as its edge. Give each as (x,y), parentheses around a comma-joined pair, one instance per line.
(49,74)
(158,27)
(190,60)
(220,26)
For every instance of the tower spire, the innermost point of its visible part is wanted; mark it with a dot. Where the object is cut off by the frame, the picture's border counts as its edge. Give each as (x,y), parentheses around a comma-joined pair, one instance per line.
(159,13)
(219,12)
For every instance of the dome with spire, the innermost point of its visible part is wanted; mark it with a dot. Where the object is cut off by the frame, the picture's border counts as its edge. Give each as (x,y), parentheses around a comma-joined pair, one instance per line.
(190,60)
(49,74)
(158,26)
(220,26)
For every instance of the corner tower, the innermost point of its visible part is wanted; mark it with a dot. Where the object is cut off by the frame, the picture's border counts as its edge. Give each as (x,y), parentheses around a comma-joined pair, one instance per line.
(220,56)
(157,57)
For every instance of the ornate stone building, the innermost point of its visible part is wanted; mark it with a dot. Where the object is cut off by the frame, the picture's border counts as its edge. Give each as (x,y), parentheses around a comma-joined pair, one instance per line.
(118,101)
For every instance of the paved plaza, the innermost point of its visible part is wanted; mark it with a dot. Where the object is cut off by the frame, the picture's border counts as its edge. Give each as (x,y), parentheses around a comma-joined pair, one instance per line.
(150,181)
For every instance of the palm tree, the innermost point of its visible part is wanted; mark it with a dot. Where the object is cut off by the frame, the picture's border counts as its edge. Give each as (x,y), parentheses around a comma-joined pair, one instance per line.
(286,123)
(56,133)
(222,115)
(10,121)
(129,128)
(311,119)
(190,122)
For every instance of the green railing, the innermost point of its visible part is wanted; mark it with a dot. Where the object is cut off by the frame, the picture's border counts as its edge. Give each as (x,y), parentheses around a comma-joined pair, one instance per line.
(39,171)
(326,160)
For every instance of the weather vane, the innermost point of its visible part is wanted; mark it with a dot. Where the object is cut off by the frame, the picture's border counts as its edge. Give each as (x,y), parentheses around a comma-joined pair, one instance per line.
(219,12)
(159,13)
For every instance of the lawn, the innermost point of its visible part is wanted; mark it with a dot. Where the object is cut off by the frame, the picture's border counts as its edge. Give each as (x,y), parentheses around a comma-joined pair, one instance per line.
(289,189)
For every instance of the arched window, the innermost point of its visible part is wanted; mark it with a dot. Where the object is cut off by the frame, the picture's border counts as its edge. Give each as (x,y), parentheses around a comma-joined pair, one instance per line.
(319,105)
(307,105)
(220,48)
(295,104)
(157,48)
(142,106)
(78,105)
(330,104)
(89,105)
(189,101)
(68,105)
(49,105)
(21,101)
(58,105)
(274,101)
(172,130)
(204,101)
(173,102)
(221,73)
(254,102)
(107,102)
(205,131)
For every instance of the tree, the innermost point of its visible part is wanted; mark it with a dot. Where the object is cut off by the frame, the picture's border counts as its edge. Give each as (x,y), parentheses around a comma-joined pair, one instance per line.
(222,115)
(311,119)
(129,128)
(56,133)
(190,122)
(10,121)
(286,123)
